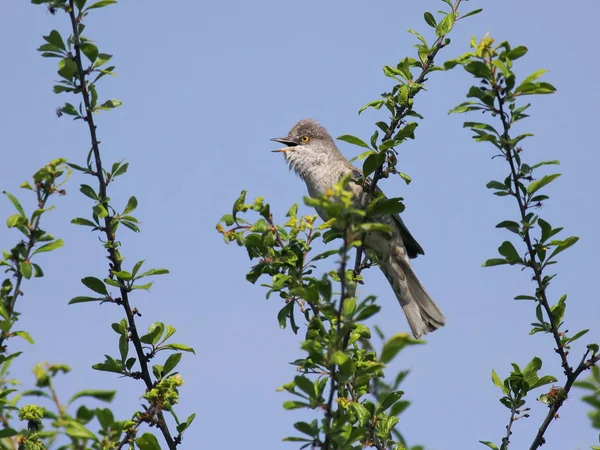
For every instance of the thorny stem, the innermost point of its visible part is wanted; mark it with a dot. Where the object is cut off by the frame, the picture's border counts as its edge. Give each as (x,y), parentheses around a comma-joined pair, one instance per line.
(537,268)
(114,258)
(400,113)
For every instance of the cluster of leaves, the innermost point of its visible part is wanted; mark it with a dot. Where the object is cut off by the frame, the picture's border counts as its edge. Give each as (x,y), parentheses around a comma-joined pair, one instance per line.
(498,94)
(337,372)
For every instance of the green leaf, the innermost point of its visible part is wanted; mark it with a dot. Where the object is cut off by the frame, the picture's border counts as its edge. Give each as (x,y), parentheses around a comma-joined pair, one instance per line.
(534,76)
(445,25)
(388,206)
(105,396)
(146,441)
(49,247)
(26,269)
(89,50)
(179,347)
(577,335)
(171,363)
(95,285)
(498,382)
(494,262)
(55,39)
(77,430)
(508,250)
(84,222)
(16,220)
(395,344)
(110,104)
(100,211)
(389,400)
(102,4)
(353,140)
(516,53)
(85,299)
(430,20)
(131,205)
(536,185)
(25,336)
(490,444)
(16,203)
(563,245)
(472,13)
(152,272)
(542,381)
(361,412)
(373,161)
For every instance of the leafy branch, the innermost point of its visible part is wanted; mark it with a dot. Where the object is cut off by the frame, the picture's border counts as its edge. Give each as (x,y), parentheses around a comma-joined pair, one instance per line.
(497,95)
(76,77)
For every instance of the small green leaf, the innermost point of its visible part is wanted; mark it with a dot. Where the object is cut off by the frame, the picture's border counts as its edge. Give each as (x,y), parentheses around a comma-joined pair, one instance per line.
(490,444)
(55,39)
(15,202)
(494,262)
(26,269)
(131,205)
(105,396)
(353,140)
(89,50)
(472,13)
(171,363)
(95,285)
(85,300)
(49,247)
(84,222)
(430,20)
(179,347)
(16,220)
(25,336)
(389,400)
(536,185)
(146,441)
(102,4)
(445,25)
(508,250)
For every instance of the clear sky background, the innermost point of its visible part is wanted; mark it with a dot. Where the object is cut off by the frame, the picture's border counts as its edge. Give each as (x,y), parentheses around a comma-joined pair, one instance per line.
(204,86)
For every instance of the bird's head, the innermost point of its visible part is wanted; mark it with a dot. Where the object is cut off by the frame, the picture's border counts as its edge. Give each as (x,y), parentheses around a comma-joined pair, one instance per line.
(307,145)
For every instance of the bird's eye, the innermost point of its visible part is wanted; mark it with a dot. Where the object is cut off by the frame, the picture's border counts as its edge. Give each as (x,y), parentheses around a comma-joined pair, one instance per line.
(305,139)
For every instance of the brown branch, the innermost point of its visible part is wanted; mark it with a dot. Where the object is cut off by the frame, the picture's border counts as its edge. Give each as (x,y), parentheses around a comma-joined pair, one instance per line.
(115,261)
(400,113)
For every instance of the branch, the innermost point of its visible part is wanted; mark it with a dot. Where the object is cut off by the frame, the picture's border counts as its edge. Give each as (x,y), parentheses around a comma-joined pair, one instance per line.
(114,258)
(400,113)
(535,266)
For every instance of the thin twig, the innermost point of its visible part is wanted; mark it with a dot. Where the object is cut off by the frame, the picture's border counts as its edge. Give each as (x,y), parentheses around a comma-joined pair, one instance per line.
(113,257)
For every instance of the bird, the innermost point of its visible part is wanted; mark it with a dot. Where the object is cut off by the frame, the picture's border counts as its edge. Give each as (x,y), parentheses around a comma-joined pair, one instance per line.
(312,154)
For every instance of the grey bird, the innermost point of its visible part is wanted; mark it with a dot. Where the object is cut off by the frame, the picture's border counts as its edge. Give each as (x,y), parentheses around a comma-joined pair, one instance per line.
(311,152)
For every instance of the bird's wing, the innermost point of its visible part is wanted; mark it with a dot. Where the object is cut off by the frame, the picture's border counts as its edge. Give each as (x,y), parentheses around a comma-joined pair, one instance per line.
(413,249)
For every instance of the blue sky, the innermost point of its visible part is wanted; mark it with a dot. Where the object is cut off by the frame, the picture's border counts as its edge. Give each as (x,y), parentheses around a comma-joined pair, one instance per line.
(204,86)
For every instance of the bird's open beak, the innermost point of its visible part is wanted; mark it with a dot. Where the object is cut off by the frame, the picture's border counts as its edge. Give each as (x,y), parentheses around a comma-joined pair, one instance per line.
(287,141)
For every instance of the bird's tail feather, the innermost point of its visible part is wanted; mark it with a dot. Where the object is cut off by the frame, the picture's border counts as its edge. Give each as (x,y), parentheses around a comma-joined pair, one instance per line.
(423,315)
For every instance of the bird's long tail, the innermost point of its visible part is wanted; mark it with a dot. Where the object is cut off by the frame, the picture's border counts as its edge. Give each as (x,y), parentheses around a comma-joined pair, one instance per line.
(423,315)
